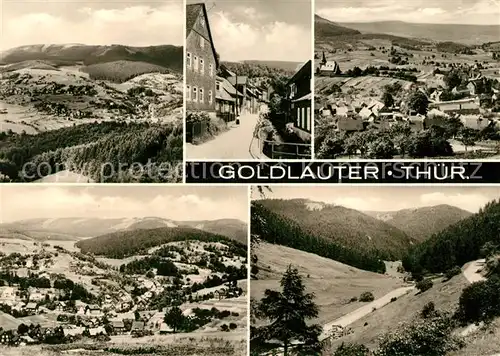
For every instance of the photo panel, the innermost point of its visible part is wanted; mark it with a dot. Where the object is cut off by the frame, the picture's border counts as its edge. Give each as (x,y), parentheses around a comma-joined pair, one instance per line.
(407,79)
(344,270)
(143,269)
(91,91)
(248,79)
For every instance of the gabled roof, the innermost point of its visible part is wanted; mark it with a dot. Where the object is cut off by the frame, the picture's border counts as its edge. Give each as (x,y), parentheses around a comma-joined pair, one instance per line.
(305,69)
(241,79)
(192,13)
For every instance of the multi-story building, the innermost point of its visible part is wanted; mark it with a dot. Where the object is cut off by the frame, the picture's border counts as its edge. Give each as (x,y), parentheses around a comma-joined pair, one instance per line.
(299,96)
(201,61)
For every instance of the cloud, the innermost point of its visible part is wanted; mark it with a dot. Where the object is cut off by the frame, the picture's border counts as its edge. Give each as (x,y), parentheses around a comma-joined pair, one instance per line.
(479,12)
(38,202)
(237,41)
(133,25)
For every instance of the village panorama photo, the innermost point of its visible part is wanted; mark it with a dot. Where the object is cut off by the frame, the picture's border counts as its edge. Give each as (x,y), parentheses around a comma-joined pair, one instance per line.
(91,91)
(248,79)
(407,79)
(123,270)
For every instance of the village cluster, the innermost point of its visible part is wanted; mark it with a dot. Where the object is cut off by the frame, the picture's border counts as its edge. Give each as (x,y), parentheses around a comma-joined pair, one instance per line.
(462,99)
(52,295)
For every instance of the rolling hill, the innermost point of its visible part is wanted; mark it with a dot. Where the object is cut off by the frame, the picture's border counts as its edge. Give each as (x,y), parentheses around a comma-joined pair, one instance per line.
(422,223)
(324,28)
(458,244)
(166,56)
(466,34)
(128,243)
(81,228)
(347,227)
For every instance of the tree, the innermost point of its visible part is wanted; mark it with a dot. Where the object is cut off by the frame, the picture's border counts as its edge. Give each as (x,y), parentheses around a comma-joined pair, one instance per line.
(418,102)
(424,285)
(22,329)
(288,312)
(452,79)
(174,318)
(366,297)
(137,316)
(388,99)
(467,137)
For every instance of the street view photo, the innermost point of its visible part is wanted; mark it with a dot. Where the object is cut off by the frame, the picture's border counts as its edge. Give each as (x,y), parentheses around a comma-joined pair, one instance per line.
(248,79)
(407,79)
(91,91)
(123,270)
(375,271)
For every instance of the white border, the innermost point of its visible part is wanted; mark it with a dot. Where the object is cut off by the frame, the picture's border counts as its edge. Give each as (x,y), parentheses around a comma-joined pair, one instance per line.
(184,145)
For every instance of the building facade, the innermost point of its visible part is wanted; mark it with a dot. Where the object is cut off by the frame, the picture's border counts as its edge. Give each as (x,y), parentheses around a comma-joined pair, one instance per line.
(299,96)
(201,61)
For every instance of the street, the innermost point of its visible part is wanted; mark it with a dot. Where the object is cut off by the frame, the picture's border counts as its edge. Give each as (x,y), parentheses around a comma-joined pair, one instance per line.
(232,144)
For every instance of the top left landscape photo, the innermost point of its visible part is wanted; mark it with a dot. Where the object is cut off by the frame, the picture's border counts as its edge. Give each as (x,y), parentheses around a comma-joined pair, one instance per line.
(91,92)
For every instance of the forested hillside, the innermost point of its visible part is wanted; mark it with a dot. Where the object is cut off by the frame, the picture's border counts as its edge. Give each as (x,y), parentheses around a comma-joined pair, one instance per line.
(458,244)
(346,227)
(129,243)
(277,229)
(422,223)
(96,150)
(255,70)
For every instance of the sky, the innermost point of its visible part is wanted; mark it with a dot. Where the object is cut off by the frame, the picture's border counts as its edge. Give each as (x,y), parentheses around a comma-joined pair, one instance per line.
(132,22)
(261,29)
(20,202)
(377,198)
(480,12)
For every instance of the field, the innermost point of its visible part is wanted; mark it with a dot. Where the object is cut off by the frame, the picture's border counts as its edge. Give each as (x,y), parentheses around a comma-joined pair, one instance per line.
(364,86)
(370,328)
(333,283)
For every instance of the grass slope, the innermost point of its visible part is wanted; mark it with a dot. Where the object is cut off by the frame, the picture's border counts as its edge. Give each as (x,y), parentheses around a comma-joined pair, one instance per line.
(422,223)
(333,283)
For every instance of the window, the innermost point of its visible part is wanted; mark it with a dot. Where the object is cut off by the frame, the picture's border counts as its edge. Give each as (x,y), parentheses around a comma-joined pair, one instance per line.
(202,99)
(210,96)
(298,117)
(303,119)
(195,94)
(211,69)
(217,86)
(195,64)
(188,93)
(202,42)
(188,60)
(308,120)
(202,66)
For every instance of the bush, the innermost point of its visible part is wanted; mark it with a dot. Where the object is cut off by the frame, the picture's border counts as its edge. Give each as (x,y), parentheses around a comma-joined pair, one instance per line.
(424,285)
(453,272)
(351,350)
(233,326)
(393,299)
(430,337)
(224,327)
(480,301)
(428,310)
(366,297)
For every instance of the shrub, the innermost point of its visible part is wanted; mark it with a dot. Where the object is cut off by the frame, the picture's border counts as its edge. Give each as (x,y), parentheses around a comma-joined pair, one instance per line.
(233,326)
(224,327)
(480,301)
(430,337)
(453,272)
(424,285)
(428,310)
(393,299)
(351,350)
(366,297)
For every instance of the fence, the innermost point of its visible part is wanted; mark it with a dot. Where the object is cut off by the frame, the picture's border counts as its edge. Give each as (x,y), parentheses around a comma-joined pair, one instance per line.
(195,130)
(226,116)
(287,150)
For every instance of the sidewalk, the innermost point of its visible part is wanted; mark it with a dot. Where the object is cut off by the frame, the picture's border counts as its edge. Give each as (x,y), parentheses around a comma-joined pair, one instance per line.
(234,144)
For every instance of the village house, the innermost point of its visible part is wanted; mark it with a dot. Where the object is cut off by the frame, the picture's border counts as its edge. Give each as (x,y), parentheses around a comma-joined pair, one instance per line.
(93,310)
(7,294)
(463,106)
(240,82)
(475,122)
(165,329)
(31,307)
(201,61)
(137,327)
(227,98)
(349,124)
(60,306)
(299,97)
(118,326)
(327,68)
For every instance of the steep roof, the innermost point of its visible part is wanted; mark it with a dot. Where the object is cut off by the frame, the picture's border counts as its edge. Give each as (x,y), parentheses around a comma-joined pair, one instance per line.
(192,13)
(304,70)
(241,79)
